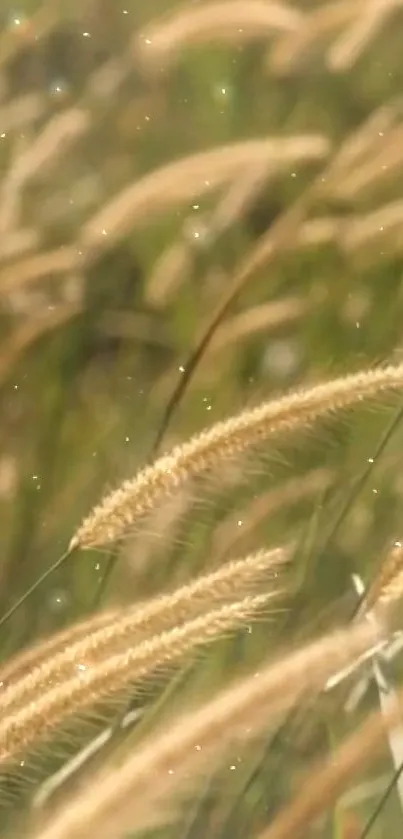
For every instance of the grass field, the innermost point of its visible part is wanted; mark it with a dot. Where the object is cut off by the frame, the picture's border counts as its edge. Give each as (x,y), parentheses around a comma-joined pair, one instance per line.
(201,212)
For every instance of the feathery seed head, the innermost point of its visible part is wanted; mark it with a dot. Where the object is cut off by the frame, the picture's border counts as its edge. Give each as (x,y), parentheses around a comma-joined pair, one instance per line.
(121,509)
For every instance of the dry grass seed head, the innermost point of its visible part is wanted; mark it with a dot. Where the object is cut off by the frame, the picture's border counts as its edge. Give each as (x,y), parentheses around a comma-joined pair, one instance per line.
(190,177)
(387,587)
(382,225)
(90,642)
(350,45)
(119,510)
(288,50)
(29,270)
(54,141)
(235,20)
(37,719)
(111,803)
(373,170)
(28,660)
(174,263)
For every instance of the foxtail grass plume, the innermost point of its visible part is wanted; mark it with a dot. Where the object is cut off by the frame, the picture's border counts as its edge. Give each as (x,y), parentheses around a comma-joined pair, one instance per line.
(26,662)
(387,587)
(183,180)
(38,718)
(92,641)
(235,20)
(317,26)
(121,509)
(115,801)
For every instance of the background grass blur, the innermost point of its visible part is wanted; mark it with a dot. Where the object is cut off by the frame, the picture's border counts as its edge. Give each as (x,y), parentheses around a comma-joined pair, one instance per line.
(90,352)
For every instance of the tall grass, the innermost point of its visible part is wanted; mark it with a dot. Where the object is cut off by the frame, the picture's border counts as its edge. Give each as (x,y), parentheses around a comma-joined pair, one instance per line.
(200,220)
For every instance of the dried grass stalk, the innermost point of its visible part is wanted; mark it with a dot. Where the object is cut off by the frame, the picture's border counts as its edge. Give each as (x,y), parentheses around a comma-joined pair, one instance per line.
(38,266)
(234,20)
(19,112)
(316,232)
(241,524)
(383,224)
(119,510)
(30,331)
(56,138)
(387,586)
(114,800)
(281,235)
(264,317)
(28,660)
(366,157)
(327,781)
(369,136)
(287,51)
(384,162)
(92,641)
(176,261)
(355,40)
(17,242)
(37,719)
(189,177)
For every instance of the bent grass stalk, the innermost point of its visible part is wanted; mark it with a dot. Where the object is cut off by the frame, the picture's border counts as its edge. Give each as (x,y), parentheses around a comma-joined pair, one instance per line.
(92,641)
(114,800)
(37,719)
(119,510)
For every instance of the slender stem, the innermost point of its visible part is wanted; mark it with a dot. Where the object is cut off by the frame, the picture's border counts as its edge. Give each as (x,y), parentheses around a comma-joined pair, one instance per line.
(38,582)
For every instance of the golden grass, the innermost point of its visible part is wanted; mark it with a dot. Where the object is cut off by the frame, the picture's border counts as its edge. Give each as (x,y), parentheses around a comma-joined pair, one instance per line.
(292,228)
(382,225)
(115,799)
(385,161)
(17,242)
(28,660)
(326,781)
(239,526)
(236,20)
(37,719)
(387,586)
(261,318)
(24,272)
(350,44)
(316,27)
(90,642)
(175,262)
(54,141)
(71,671)
(189,177)
(119,511)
